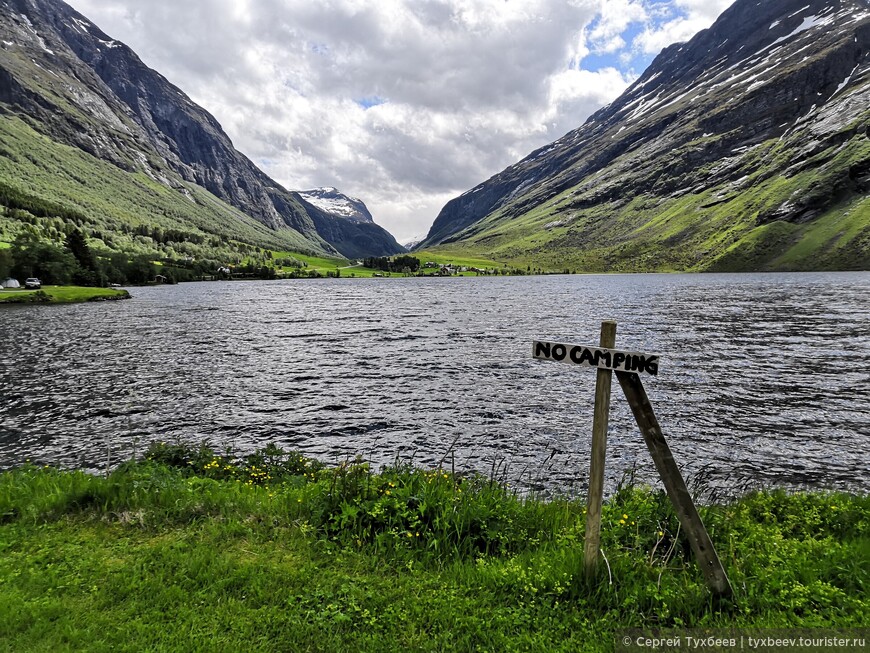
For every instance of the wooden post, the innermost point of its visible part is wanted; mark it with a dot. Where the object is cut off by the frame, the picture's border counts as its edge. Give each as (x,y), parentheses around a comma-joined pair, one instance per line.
(594,499)
(675,486)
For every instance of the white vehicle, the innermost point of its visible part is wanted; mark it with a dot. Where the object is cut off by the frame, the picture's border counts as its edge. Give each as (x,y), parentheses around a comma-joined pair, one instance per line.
(32,283)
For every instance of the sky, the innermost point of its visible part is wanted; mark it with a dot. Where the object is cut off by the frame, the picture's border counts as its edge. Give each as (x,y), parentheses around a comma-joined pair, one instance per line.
(404,104)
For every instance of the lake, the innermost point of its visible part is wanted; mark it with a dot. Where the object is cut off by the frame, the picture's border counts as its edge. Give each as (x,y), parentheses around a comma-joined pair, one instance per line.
(764,379)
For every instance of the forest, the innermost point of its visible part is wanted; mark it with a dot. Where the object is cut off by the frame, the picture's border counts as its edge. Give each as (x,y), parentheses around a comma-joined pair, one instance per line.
(403,263)
(76,263)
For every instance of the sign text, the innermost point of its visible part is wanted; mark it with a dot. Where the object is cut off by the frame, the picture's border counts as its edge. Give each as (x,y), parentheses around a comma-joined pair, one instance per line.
(608,359)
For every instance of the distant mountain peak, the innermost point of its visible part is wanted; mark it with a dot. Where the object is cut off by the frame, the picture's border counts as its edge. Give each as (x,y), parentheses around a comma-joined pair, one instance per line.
(333,201)
(347,224)
(413,242)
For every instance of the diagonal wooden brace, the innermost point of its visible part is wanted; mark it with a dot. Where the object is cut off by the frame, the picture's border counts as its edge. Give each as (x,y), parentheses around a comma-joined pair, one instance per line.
(675,486)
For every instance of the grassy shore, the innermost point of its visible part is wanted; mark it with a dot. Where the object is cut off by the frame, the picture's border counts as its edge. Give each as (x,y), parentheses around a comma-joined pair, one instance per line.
(61,295)
(190,550)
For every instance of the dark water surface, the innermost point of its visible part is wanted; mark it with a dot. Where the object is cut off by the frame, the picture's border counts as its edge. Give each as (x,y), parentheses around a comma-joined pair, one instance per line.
(764,379)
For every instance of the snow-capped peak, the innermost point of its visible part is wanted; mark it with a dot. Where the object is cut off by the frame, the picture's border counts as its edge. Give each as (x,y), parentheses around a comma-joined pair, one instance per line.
(334,202)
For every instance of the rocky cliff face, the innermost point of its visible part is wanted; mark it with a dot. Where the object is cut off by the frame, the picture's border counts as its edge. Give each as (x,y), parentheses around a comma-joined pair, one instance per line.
(83,88)
(747,134)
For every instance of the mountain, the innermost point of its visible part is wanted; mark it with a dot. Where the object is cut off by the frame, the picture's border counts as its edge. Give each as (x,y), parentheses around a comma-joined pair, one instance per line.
(65,84)
(332,201)
(411,244)
(346,223)
(744,149)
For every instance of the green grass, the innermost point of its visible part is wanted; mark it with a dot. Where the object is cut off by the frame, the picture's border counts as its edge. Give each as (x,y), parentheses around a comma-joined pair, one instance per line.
(324,265)
(61,295)
(842,234)
(192,550)
(348,268)
(445,255)
(319,262)
(456,256)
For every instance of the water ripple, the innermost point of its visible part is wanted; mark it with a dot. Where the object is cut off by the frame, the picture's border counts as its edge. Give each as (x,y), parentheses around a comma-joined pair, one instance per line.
(764,378)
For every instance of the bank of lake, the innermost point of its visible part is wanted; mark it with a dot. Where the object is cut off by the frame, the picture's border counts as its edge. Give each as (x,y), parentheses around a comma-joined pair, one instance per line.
(61,295)
(191,549)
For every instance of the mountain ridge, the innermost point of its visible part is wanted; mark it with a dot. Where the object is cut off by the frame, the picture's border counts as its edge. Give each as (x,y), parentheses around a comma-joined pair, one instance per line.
(654,172)
(82,88)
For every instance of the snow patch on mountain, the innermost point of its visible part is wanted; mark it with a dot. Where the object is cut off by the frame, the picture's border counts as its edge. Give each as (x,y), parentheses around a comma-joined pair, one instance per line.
(81,25)
(334,202)
(30,28)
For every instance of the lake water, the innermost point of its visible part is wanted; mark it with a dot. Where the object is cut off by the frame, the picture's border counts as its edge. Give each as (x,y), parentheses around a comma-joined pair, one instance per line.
(764,378)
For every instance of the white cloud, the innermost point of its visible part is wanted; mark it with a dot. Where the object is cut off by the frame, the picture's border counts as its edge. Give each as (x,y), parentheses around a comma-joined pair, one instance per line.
(707,10)
(403,103)
(614,17)
(580,92)
(694,15)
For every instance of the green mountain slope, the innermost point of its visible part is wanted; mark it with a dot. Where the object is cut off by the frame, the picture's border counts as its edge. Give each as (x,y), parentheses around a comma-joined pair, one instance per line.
(70,82)
(745,149)
(46,184)
(725,227)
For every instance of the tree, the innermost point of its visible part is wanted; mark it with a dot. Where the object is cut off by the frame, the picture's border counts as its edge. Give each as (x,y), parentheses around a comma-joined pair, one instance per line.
(141,270)
(115,268)
(25,253)
(34,258)
(398,264)
(405,261)
(5,263)
(88,272)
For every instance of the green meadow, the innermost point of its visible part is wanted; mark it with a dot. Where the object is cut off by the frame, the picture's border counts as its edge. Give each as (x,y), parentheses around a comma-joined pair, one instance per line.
(322,265)
(346,268)
(190,549)
(447,256)
(61,295)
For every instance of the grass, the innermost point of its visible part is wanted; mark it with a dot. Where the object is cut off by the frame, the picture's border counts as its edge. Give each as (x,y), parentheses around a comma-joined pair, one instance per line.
(317,262)
(61,295)
(348,268)
(446,256)
(325,265)
(193,550)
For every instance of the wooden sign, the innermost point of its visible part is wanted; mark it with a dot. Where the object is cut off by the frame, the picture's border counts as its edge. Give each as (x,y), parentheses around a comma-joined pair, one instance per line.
(628,365)
(605,359)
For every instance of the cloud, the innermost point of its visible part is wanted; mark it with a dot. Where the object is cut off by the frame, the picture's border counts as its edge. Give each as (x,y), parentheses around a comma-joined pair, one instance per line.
(682,20)
(613,19)
(403,103)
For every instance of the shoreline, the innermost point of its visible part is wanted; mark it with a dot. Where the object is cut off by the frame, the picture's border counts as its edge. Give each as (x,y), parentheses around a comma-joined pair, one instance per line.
(62,295)
(275,551)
